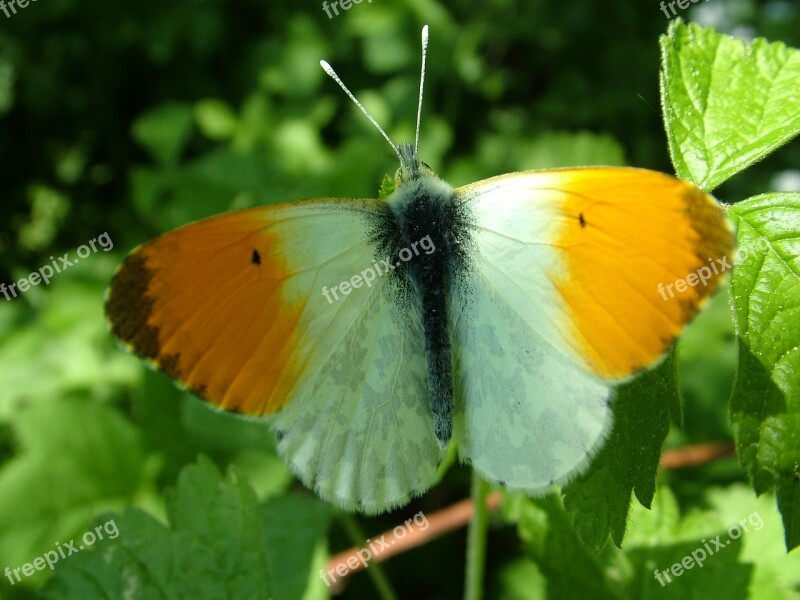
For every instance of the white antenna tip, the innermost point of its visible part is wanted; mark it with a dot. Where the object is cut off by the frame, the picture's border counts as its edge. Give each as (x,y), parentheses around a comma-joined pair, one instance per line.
(326,67)
(424,33)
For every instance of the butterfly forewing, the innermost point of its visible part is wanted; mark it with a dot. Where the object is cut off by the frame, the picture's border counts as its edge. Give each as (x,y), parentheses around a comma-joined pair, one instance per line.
(234,308)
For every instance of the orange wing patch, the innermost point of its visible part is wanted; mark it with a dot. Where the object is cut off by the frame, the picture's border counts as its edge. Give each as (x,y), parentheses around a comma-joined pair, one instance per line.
(191,300)
(643,251)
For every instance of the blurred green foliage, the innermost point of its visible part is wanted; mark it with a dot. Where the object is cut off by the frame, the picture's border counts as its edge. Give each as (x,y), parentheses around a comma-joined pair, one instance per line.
(134,118)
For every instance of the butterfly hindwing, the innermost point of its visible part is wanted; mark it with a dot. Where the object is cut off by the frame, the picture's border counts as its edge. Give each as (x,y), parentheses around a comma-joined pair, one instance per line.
(233,308)
(361,433)
(529,416)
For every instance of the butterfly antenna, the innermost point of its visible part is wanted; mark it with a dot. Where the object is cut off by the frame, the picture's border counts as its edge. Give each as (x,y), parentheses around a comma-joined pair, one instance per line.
(421,85)
(329,70)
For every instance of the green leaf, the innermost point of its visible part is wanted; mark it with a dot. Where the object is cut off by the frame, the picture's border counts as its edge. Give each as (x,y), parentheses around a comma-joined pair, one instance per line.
(661,540)
(64,346)
(219,543)
(747,564)
(776,574)
(164,131)
(726,104)
(75,458)
(789,505)
(548,538)
(216,119)
(600,498)
(519,580)
(147,185)
(706,370)
(212,183)
(765,407)
(667,555)
(295,524)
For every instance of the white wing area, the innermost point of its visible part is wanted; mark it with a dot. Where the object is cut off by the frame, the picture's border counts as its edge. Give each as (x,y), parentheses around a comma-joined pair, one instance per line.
(530,414)
(359,429)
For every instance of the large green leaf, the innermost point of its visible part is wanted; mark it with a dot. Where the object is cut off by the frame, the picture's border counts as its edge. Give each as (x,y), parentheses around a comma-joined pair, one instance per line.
(293,525)
(75,458)
(63,346)
(219,543)
(765,407)
(726,104)
(600,498)
(570,568)
(724,548)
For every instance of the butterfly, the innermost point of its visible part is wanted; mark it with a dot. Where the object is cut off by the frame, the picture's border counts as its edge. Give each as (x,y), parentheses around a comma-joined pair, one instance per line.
(371,333)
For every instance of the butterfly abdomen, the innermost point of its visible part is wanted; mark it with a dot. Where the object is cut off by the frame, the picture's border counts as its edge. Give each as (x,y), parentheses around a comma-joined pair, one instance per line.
(427,236)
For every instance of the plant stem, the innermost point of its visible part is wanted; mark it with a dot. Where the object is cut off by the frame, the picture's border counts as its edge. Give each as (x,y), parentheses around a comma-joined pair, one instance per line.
(476,539)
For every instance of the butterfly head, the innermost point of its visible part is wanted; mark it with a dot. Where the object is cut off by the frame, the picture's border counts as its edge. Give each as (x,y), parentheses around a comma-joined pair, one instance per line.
(411,168)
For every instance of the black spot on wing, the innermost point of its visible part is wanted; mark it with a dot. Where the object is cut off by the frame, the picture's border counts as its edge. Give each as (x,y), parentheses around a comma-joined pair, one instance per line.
(256,258)
(582,220)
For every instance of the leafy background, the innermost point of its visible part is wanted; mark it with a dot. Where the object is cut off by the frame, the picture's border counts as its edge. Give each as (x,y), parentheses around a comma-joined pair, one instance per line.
(133,118)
